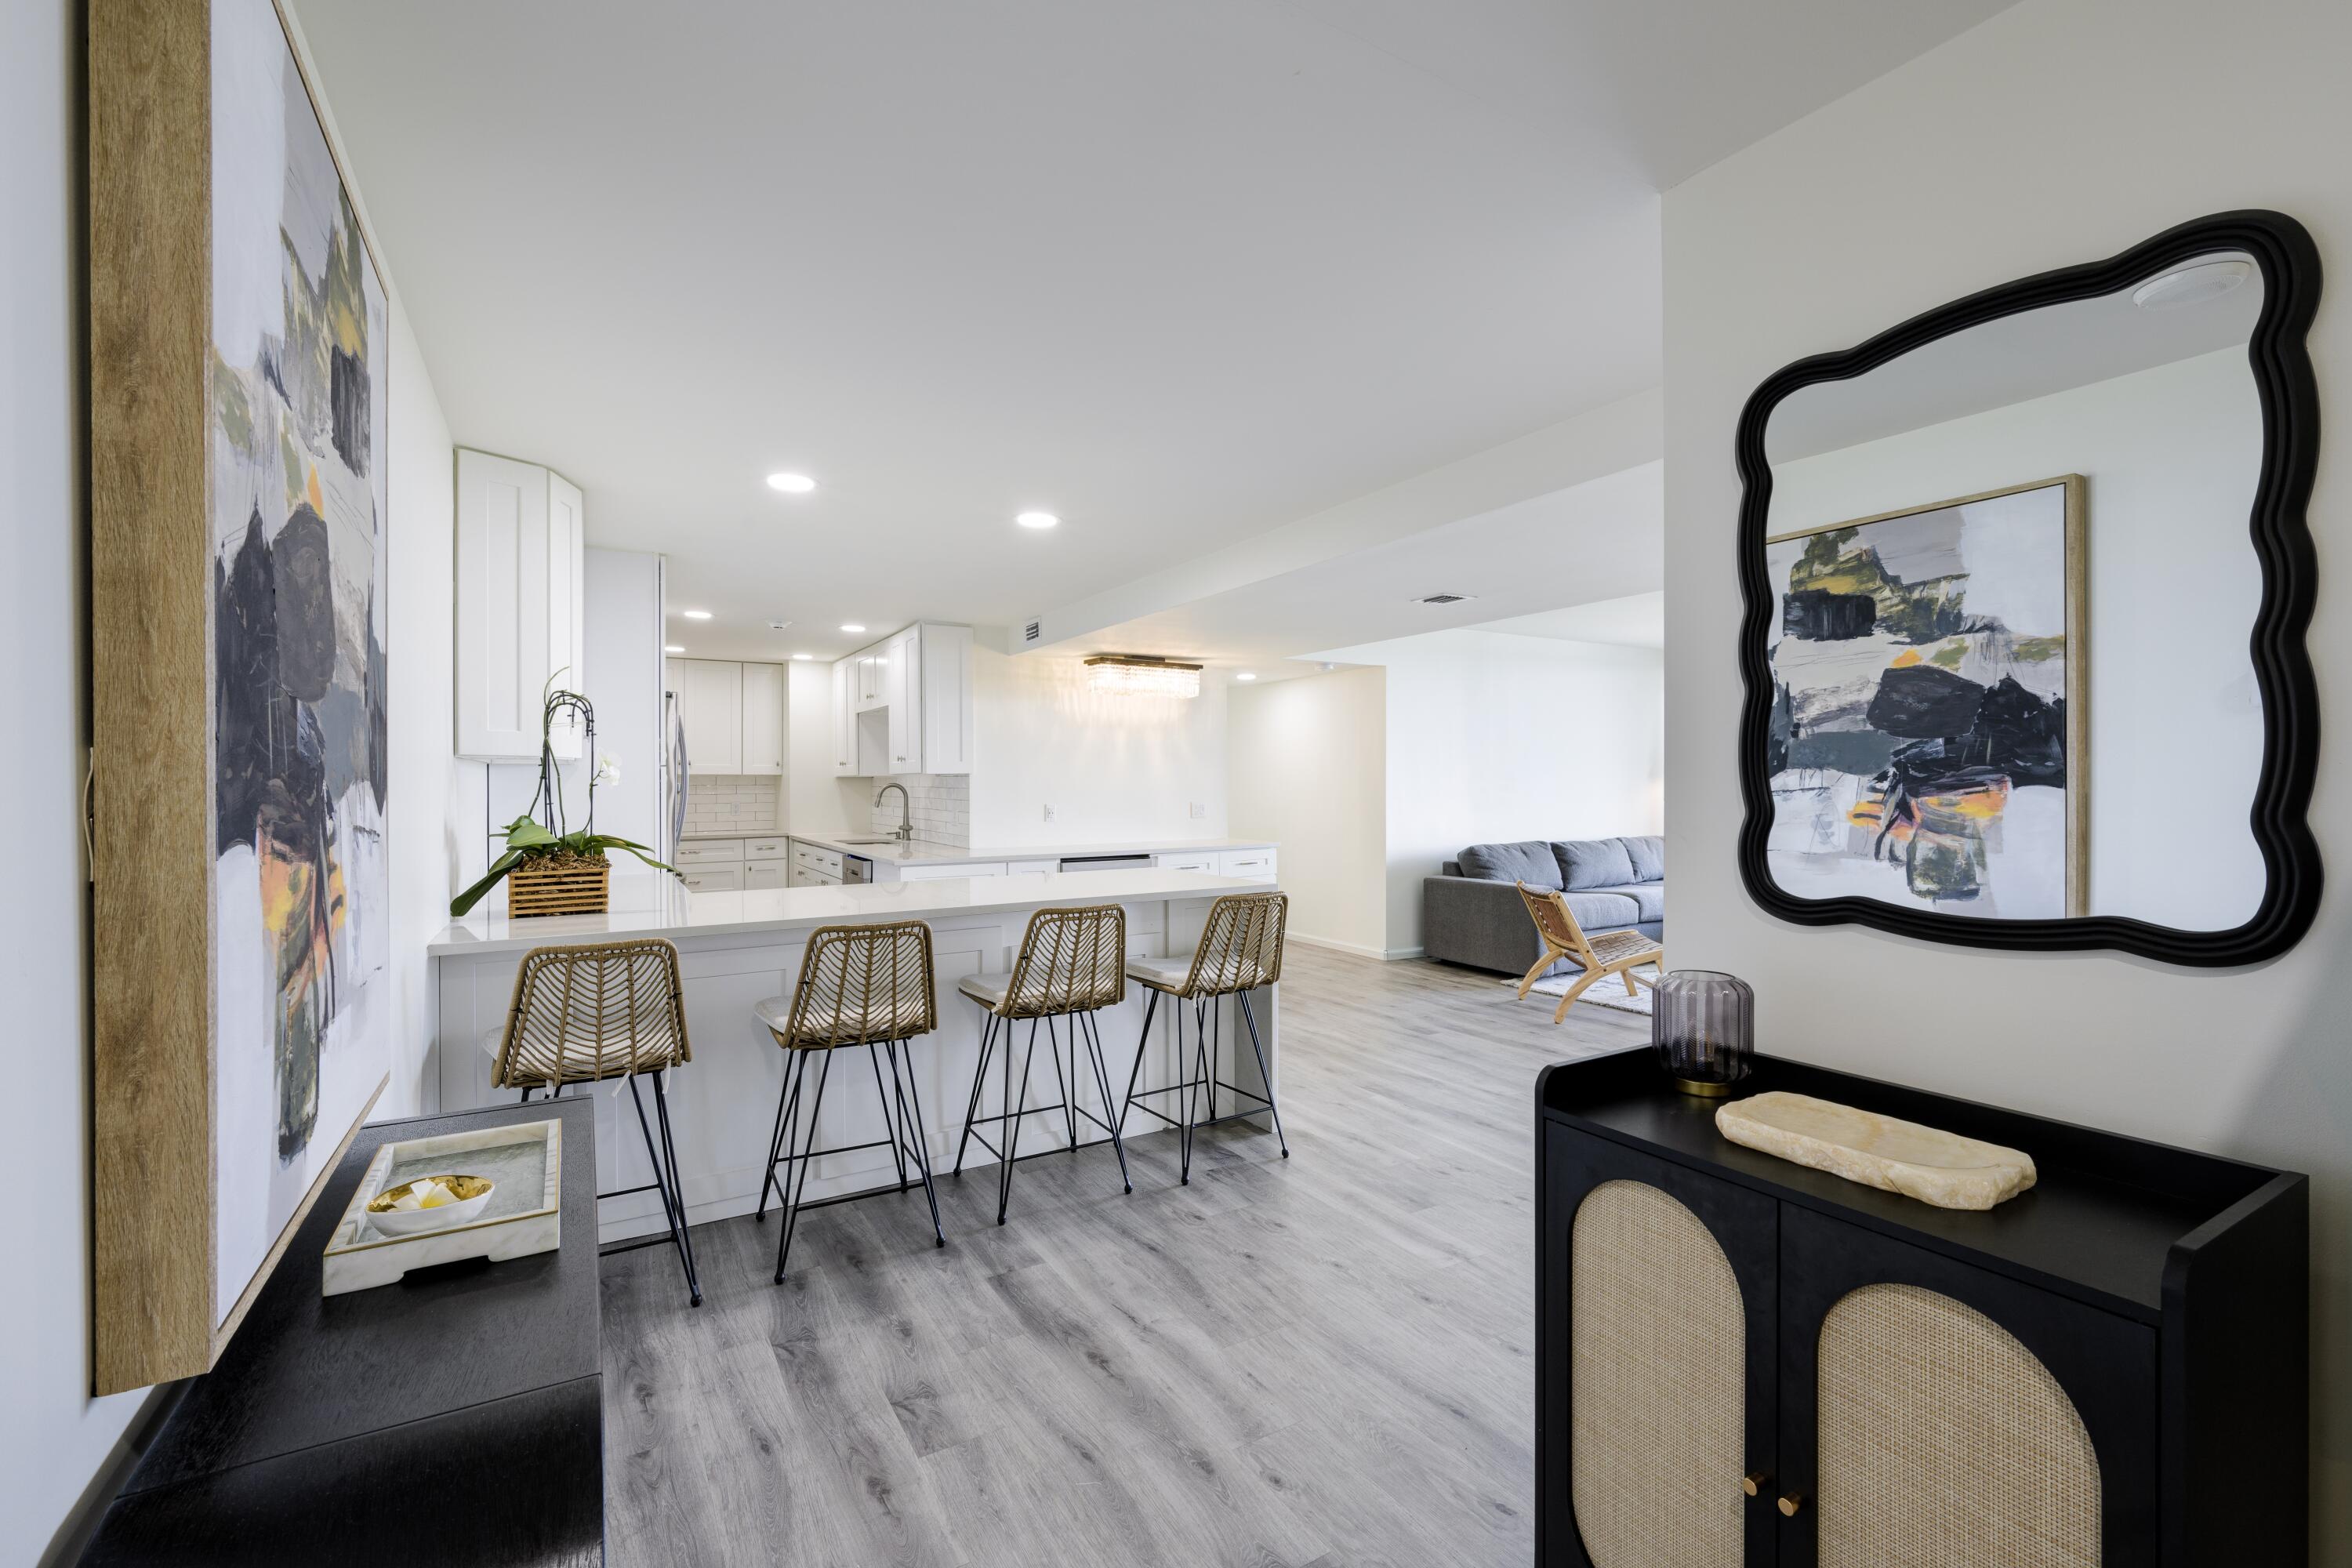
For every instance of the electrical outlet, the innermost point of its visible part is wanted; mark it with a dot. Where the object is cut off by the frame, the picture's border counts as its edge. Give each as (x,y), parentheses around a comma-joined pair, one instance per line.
(1199,811)
(1049,814)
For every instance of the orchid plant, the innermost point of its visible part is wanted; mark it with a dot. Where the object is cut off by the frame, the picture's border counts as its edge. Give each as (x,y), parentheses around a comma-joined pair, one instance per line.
(543,833)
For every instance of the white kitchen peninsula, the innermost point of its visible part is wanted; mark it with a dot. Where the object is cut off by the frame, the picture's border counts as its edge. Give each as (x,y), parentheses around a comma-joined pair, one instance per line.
(736,949)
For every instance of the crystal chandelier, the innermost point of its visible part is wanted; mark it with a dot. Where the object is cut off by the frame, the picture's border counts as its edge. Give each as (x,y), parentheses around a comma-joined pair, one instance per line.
(1135,675)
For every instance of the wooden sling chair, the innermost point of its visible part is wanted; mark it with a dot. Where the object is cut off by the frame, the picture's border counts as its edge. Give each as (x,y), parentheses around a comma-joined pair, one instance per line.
(1617,953)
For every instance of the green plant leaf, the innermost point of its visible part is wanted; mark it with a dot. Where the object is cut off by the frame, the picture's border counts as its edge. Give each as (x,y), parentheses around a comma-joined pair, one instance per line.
(642,852)
(464,901)
(526,833)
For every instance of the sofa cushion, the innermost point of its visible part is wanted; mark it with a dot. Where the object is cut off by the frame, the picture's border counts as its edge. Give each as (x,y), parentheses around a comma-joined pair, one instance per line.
(1530,862)
(1650,897)
(1586,863)
(1649,857)
(1600,911)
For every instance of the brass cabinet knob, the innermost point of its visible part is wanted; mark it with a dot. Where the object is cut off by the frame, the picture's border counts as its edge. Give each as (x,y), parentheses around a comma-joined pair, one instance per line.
(1791,1503)
(1754,1484)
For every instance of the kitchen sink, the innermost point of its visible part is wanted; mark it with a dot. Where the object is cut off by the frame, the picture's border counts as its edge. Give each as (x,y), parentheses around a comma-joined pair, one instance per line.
(882,840)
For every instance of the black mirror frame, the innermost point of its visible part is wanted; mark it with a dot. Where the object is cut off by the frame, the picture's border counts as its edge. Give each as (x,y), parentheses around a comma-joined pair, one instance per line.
(2280,360)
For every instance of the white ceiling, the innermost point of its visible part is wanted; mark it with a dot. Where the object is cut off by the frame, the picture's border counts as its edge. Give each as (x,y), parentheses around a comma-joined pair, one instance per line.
(1637,620)
(1179,273)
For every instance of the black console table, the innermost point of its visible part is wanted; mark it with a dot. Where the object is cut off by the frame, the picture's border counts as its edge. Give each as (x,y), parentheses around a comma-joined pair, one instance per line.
(2110,1368)
(451,1419)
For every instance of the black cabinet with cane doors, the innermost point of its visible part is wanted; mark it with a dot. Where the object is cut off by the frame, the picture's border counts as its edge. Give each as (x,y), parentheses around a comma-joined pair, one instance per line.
(1742,1363)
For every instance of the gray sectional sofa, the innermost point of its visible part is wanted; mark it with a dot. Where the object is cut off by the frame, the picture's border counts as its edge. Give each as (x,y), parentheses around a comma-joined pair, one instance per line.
(1471,913)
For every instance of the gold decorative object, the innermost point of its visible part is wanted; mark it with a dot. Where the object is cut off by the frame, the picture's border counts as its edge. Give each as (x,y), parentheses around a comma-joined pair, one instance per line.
(1884,1151)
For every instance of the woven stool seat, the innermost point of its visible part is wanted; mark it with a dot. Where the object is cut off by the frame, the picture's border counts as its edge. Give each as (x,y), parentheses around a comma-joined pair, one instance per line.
(1240,951)
(1071,961)
(886,1017)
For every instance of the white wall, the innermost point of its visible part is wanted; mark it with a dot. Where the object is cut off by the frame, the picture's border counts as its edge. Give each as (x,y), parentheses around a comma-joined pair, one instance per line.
(1309,770)
(1494,737)
(1113,767)
(2059,131)
(57,1440)
(2171,456)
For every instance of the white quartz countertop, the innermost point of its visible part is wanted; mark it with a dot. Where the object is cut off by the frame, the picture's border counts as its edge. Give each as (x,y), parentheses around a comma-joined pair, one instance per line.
(681,914)
(922,852)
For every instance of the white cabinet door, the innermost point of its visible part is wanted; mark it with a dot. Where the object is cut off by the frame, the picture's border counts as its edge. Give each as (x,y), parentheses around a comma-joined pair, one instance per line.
(901,681)
(715,879)
(518,604)
(763,719)
(844,718)
(940,701)
(766,874)
(711,705)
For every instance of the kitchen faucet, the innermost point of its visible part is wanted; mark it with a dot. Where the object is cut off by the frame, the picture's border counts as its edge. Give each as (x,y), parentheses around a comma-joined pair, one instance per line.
(906,829)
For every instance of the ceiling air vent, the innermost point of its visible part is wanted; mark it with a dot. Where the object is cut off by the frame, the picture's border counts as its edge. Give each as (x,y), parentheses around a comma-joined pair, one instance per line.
(1441,599)
(1031,632)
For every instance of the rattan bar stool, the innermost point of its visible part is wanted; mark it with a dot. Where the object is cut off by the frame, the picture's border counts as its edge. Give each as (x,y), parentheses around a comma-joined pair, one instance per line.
(1240,950)
(1071,962)
(583,1014)
(867,985)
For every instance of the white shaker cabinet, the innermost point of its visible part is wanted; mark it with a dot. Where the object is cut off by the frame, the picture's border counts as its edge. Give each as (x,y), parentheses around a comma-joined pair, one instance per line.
(518,605)
(763,719)
(710,706)
(917,685)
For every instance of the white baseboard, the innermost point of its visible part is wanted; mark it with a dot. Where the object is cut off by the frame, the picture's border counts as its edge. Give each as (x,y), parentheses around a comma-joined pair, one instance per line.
(1360,949)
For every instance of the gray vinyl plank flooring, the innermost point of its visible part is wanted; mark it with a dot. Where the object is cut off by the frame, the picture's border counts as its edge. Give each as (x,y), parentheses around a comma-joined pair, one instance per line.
(1326,1362)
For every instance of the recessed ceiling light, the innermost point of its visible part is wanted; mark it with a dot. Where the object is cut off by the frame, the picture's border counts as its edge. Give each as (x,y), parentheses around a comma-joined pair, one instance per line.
(696,615)
(804,655)
(1038,519)
(791,484)
(672,647)
(852,628)
(1245,675)
(2192,285)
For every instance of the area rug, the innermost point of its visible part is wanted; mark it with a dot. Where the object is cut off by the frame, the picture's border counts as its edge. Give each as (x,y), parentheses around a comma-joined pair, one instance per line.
(1607,992)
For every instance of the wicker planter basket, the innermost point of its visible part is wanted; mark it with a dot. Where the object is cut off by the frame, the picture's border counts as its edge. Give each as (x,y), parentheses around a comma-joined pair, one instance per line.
(574,886)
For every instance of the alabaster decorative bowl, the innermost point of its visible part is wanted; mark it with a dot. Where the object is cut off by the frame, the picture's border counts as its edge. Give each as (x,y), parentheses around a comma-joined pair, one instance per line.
(439,1203)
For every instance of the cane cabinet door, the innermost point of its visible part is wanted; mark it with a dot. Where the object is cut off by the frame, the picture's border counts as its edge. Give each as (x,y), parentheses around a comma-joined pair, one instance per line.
(1935,1415)
(1657,1417)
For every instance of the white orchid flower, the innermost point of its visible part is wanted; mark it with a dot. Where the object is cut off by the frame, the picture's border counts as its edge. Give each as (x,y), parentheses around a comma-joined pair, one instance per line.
(608,770)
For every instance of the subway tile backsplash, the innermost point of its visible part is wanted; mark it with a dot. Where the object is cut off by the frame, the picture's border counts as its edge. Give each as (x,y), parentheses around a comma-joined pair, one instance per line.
(939,803)
(723,803)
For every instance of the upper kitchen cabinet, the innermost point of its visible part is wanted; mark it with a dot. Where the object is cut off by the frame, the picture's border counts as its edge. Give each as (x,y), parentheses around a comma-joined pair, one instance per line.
(733,715)
(518,605)
(763,719)
(904,705)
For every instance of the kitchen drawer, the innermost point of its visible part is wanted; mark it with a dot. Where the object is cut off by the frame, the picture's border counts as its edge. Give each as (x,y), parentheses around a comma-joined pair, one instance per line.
(1198,861)
(710,851)
(940,873)
(765,874)
(1257,865)
(764,848)
(715,879)
(815,858)
(1023,868)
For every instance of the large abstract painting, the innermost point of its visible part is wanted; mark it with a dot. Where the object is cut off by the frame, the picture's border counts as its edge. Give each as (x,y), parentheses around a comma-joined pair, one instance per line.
(296,505)
(1927,712)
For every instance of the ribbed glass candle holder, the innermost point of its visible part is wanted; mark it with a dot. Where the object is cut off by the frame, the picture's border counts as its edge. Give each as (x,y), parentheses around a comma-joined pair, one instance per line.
(1702,1025)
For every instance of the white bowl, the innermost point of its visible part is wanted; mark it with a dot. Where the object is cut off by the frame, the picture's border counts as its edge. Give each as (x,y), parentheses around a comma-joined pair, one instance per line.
(416,1221)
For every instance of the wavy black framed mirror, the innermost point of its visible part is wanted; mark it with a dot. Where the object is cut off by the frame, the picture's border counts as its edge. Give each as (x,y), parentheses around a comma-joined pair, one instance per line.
(2026,583)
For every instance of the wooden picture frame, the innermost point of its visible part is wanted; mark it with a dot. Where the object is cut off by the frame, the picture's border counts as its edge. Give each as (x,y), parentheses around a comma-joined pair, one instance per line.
(2075,549)
(173,798)
(2279,358)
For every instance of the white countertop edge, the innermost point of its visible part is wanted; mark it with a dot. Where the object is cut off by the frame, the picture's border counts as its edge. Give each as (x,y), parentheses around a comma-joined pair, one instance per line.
(682,914)
(923,852)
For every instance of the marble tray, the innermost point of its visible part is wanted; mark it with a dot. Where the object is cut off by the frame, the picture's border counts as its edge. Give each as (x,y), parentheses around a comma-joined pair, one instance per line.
(523,1216)
(1923,1162)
